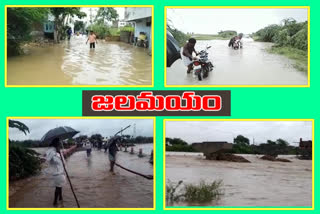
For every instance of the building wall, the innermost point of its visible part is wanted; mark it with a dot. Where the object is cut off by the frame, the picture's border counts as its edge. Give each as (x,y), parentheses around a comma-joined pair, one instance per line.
(134,13)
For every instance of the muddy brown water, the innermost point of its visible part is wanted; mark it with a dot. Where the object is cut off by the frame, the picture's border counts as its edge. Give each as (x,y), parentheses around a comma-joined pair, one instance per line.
(251,65)
(259,183)
(95,187)
(73,63)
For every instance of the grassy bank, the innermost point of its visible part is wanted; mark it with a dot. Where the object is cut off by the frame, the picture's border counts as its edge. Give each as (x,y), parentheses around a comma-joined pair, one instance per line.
(300,57)
(209,37)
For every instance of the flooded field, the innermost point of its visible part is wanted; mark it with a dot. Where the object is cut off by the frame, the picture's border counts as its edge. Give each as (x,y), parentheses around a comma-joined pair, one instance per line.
(251,65)
(259,183)
(95,187)
(73,63)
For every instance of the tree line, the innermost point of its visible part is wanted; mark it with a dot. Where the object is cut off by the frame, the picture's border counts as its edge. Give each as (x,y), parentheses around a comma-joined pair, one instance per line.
(241,145)
(289,33)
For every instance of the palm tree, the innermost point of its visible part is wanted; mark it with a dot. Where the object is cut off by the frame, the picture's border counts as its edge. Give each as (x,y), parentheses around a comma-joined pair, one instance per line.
(19,125)
(288,21)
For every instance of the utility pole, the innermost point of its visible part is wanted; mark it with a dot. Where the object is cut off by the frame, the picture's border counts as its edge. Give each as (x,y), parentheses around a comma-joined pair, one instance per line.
(90,18)
(134,130)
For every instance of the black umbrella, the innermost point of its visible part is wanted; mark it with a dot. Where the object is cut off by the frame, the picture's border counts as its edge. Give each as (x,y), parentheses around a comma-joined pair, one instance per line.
(63,132)
(173,49)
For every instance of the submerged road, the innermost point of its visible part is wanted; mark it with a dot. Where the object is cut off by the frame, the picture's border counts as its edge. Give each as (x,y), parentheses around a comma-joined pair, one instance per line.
(252,65)
(73,63)
(94,185)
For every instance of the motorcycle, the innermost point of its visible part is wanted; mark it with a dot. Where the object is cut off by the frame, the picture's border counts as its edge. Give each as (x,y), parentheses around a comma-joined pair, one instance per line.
(237,44)
(202,65)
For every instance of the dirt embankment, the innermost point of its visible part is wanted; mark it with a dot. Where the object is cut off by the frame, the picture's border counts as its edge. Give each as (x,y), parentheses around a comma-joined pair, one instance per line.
(227,157)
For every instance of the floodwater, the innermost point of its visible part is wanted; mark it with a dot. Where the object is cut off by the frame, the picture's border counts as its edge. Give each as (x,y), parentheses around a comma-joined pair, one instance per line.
(73,63)
(259,183)
(251,65)
(94,185)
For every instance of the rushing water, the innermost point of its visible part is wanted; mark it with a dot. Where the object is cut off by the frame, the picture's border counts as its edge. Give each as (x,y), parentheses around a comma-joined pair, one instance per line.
(94,185)
(251,65)
(73,63)
(259,183)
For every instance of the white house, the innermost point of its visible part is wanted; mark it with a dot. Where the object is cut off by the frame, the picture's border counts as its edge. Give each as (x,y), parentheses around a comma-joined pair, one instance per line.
(142,19)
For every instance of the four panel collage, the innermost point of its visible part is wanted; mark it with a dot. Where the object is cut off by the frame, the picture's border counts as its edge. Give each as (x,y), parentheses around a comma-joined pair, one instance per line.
(67,162)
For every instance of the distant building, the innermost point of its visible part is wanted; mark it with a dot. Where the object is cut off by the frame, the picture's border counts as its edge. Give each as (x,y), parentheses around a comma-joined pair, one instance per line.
(142,19)
(305,149)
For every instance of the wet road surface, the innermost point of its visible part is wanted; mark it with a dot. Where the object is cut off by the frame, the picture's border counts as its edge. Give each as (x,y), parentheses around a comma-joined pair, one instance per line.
(94,185)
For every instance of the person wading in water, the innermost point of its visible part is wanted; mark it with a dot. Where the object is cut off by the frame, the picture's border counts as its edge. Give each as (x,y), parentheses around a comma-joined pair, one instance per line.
(113,149)
(56,168)
(186,54)
(92,40)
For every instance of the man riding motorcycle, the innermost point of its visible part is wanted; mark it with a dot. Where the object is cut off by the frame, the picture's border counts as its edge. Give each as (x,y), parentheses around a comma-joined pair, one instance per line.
(235,39)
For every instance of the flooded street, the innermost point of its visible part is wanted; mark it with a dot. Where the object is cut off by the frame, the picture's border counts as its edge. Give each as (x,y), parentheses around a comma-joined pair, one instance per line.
(259,183)
(73,63)
(94,185)
(251,65)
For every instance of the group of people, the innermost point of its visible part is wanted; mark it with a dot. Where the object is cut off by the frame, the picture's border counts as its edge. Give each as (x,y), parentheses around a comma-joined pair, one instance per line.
(92,38)
(56,162)
(188,49)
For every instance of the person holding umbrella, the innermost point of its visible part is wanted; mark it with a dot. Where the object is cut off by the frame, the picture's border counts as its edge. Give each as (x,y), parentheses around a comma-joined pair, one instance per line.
(58,175)
(56,161)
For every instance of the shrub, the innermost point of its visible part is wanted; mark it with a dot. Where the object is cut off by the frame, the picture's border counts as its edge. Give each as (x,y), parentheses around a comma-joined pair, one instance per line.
(100,30)
(300,39)
(19,25)
(23,162)
(200,193)
(282,38)
(203,192)
(127,28)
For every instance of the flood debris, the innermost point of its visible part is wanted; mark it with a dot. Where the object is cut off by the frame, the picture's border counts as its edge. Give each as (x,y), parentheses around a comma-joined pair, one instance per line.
(231,157)
(272,158)
(215,150)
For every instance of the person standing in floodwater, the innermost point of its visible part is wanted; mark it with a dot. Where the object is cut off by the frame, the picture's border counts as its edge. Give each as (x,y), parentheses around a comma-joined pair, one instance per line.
(69,32)
(92,40)
(186,54)
(113,149)
(56,167)
(88,148)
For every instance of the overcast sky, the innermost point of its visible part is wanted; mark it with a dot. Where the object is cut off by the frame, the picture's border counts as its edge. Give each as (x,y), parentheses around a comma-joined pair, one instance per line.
(106,127)
(120,11)
(199,131)
(211,21)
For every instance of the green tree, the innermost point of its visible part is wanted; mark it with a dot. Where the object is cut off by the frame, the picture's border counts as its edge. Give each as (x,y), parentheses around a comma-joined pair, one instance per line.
(19,125)
(241,145)
(19,25)
(60,14)
(282,142)
(105,14)
(79,26)
(240,139)
(282,38)
(23,162)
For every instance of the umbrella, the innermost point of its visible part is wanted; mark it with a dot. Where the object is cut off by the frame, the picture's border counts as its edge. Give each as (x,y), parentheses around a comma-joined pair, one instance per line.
(173,49)
(62,132)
